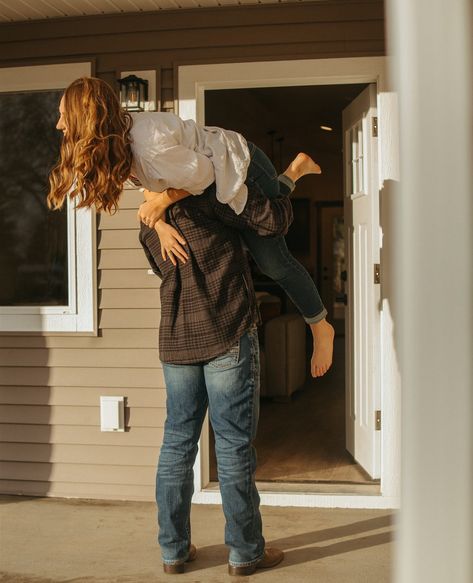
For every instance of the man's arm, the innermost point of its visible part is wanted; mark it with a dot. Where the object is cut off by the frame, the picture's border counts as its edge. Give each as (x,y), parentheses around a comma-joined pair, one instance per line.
(267,217)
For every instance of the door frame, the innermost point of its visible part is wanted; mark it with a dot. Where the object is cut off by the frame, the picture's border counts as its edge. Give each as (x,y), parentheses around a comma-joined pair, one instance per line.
(193,81)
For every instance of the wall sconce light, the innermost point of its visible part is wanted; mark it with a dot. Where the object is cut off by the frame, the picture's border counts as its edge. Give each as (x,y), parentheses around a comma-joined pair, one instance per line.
(133,92)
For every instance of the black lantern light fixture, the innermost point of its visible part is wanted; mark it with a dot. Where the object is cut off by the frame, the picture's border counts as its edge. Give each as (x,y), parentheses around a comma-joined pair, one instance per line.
(134,92)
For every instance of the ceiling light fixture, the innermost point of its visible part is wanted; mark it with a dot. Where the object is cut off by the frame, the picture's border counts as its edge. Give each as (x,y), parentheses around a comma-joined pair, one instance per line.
(326,128)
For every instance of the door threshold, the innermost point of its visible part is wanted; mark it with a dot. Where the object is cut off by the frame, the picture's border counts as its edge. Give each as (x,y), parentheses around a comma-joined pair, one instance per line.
(335,488)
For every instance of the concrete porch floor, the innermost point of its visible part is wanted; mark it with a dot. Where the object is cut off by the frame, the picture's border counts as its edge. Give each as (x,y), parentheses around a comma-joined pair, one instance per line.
(47,540)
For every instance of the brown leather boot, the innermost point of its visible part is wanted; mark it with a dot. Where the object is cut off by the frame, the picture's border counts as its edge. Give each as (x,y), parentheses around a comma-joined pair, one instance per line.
(180,567)
(271,558)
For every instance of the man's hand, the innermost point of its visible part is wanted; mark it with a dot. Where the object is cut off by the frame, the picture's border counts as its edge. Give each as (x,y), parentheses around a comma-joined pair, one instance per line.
(153,209)
(171,243)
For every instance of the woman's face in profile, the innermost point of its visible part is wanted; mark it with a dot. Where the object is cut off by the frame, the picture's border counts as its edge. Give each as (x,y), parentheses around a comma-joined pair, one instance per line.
(61,124)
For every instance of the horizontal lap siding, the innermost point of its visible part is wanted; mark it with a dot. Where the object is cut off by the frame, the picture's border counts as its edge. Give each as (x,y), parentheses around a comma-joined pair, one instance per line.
(72,434)
(108,338)
(51,443)
(50,387)
(78,415)
(198,38)
(83,377)
(81,396)
(187,20)
(86,357)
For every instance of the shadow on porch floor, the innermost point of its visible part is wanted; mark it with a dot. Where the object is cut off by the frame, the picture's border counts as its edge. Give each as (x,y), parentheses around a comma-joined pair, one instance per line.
(47,540)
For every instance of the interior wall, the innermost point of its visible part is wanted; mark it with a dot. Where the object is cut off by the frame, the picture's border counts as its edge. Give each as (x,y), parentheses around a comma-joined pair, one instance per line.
(284,121)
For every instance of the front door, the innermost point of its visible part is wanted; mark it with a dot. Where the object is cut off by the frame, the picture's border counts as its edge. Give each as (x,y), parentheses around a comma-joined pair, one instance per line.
(362,320)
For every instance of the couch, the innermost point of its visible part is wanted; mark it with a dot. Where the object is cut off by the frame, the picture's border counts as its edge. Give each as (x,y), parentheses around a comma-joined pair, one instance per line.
(282,349)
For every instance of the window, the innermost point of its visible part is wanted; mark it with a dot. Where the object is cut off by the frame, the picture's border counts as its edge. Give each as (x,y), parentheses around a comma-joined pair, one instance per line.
(357,181)
(47,258)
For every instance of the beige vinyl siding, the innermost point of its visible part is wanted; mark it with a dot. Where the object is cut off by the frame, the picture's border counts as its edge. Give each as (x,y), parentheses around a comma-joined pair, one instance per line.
(63,396)
(78,415)
(70,435)
(108,338)
(88,377)
(125,278)
(50,386)
(86,357)
(50,437)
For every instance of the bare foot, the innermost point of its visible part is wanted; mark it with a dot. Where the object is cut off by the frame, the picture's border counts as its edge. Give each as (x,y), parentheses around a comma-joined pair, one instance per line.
(300,166)
(323,334)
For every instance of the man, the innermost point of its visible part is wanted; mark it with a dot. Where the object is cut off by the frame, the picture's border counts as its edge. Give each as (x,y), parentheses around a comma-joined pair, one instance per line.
(209,349)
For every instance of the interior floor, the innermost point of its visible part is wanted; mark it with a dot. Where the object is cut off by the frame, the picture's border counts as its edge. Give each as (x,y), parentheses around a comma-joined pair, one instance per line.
(302,441)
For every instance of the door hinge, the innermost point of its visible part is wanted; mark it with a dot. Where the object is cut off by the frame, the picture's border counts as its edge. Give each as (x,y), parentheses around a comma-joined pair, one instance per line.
(377,420)
(374,126)
(377,273)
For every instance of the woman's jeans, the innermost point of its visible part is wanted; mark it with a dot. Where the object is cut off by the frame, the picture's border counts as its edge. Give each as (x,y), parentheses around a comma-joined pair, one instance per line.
(271,253)
(229,387)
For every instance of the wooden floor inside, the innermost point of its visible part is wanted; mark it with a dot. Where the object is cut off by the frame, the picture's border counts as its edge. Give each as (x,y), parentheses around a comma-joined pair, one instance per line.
(303,441)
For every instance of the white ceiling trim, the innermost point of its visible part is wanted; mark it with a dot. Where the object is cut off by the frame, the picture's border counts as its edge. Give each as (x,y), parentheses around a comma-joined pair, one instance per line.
(24,10)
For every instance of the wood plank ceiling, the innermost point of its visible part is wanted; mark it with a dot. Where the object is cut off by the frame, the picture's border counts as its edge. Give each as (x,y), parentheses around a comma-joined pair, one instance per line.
(21,10)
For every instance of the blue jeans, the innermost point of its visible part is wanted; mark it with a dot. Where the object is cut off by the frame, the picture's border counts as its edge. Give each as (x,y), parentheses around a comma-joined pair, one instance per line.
(229,387)
(271,254)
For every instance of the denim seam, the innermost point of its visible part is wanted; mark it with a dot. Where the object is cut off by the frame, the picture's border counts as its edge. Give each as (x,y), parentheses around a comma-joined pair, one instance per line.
(290,261)
(254,374)
(248,564)
(179,562)
(288,182)
(250,415)
(317,318)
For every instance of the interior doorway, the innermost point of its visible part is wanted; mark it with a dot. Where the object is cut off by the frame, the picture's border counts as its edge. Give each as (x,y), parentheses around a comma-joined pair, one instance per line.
(302,435)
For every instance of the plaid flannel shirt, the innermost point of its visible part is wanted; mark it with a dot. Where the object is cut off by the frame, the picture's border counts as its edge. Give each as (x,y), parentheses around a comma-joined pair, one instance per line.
(208,303)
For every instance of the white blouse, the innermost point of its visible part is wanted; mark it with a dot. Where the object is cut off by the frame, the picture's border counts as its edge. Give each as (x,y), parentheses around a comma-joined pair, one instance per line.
(169,152)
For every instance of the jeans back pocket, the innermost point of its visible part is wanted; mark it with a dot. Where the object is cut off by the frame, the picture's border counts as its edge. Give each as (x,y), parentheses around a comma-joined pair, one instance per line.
(228,359)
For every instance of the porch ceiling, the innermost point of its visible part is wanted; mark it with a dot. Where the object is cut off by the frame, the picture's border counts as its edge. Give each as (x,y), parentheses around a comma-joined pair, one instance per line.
(23,10)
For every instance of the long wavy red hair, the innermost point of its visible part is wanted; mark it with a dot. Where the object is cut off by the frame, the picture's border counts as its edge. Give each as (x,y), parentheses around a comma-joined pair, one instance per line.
(95,156)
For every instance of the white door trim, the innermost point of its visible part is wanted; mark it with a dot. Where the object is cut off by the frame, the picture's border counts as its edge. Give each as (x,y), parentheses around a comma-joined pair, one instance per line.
(193,80)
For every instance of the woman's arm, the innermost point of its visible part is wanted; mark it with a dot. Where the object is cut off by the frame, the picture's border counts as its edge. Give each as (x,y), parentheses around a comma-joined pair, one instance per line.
(171,242)
(156,204)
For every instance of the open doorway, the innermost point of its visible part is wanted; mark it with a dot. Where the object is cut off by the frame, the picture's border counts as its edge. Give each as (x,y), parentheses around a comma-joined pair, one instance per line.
(302,435)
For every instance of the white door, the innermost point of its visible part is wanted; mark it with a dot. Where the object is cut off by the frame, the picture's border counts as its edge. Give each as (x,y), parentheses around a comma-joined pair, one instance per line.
(362,338)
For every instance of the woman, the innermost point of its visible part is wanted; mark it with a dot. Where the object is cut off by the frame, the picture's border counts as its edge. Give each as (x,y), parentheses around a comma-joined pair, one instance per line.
(104,146)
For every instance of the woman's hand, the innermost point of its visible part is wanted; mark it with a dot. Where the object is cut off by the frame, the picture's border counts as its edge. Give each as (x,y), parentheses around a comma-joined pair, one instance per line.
(153,209)
(171,243)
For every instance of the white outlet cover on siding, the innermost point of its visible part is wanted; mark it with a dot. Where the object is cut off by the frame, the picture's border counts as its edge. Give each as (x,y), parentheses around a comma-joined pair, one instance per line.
(112,413)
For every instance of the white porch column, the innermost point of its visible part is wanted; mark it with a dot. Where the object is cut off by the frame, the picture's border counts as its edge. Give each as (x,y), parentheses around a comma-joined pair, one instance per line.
(431,43)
